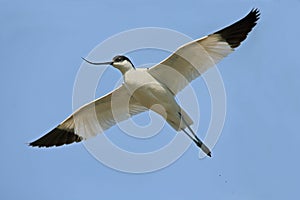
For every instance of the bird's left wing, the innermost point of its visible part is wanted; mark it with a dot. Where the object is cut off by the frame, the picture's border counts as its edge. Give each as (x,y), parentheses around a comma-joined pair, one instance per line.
(92,119)
(193,59)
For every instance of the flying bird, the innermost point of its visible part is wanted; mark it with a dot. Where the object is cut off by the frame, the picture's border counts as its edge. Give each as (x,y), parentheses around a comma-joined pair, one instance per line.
(143,88)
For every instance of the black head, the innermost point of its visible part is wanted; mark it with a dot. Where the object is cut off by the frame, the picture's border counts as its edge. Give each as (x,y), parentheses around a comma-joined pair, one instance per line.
(120,59)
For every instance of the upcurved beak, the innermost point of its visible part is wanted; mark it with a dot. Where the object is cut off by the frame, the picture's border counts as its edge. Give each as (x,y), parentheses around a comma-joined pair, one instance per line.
(94,63)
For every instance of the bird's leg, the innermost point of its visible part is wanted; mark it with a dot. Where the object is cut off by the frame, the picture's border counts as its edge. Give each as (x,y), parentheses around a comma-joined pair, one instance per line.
(195,139)
(199,143)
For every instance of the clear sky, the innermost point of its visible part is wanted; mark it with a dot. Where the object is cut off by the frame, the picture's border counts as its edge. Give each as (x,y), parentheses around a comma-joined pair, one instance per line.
(256,156)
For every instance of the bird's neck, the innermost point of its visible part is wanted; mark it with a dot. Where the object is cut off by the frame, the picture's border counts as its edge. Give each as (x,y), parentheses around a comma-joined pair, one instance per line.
(125,68)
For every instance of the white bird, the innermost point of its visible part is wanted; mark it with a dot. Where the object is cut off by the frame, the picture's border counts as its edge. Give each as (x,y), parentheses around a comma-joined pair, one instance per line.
(145,87)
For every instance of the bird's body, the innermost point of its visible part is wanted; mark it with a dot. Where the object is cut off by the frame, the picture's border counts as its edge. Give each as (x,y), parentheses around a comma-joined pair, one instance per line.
(156,96)
(138,81)
(153,88)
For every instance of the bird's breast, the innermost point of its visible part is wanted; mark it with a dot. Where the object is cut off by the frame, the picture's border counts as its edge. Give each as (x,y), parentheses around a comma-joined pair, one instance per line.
(146,89)
(135,79)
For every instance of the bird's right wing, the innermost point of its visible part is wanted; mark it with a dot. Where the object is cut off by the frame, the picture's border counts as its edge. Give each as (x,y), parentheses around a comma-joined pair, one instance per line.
(194,58)
(93,118)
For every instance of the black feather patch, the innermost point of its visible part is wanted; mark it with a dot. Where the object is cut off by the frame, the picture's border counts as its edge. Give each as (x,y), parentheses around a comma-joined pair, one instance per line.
(237,32)
(56,137)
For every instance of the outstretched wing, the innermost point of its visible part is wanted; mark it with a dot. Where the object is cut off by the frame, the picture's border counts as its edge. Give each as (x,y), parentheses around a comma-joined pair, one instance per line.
(92,119)
(194,58)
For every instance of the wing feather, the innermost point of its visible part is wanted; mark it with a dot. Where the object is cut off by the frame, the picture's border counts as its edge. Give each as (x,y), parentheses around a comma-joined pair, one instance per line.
(92,119)
(193,59)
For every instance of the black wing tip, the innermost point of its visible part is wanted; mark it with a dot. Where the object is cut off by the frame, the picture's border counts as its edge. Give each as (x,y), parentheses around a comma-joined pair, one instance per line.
(255,14)
(255,11)
(253,17)
(56,137)
(238,31)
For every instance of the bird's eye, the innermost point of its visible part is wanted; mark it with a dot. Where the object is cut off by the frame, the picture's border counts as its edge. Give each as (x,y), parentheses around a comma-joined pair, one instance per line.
(118,58)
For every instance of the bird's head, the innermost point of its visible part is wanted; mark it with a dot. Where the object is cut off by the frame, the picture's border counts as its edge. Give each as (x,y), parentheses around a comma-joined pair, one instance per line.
(120,62)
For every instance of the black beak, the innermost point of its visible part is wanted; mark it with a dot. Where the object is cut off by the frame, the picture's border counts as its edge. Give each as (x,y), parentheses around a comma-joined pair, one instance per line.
(94,63)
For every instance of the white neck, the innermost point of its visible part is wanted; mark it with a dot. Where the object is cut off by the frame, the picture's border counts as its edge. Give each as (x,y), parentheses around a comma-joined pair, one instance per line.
(124,66)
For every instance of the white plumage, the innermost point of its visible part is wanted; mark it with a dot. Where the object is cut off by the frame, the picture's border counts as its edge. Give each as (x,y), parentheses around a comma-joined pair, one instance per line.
(143,89)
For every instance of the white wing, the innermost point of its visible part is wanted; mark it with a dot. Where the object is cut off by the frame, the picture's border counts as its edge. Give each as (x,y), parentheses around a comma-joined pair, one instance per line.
(92,119)
(193,59)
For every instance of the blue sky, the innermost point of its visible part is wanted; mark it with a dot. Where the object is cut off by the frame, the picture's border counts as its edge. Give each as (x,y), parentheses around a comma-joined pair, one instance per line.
(256,156)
